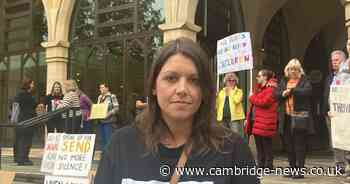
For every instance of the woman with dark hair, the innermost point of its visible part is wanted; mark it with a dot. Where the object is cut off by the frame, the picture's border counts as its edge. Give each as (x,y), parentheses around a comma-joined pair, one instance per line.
(24,136)
(105,125)
(262,117)
(177,129)
(52,101)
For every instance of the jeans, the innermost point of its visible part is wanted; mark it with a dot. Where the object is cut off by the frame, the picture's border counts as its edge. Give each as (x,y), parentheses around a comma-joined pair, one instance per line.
(87,128)
(235,126)
(105,130)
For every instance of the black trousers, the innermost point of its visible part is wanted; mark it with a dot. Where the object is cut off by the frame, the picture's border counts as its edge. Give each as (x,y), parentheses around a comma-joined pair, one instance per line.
(264,151)
(72,125)
(295,141)
(56,123)
(23,144)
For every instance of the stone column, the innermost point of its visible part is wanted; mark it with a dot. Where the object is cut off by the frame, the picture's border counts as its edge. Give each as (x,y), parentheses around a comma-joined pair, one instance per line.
(346,4)
(58,13)
(179,19)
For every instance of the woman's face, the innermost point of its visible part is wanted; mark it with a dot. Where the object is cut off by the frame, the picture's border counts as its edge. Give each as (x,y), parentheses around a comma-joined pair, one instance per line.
(260,78)
(103,89)
(178,89)
(31,86)
(57,88)
(294,73)
(230,81)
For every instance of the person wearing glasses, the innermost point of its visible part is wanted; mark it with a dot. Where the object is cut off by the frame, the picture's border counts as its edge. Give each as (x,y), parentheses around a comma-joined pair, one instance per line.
(262,117)
(229,104)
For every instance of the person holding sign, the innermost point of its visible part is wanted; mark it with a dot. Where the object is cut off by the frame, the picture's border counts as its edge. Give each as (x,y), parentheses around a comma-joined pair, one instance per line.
(294,113)
(177,128)
(262,117)
(229,104)
(105,125)
(337,60)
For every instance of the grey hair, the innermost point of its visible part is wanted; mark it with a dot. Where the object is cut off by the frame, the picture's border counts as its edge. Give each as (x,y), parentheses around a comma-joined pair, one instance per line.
(340,53)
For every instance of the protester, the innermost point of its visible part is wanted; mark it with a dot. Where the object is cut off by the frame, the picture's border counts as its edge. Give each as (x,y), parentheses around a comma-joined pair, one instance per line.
(178,124)
(51,102)
(294,114)
(71,100)
(85,107)
(337,59)
(262,117)
(140,104)
(24,136)
(229,104)
(105,125)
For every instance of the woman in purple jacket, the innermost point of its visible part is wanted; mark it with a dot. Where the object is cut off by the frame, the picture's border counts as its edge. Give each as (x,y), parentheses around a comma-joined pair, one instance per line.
(85,107)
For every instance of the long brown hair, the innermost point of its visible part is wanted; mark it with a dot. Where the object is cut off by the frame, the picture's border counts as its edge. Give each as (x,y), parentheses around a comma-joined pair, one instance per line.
(206,134)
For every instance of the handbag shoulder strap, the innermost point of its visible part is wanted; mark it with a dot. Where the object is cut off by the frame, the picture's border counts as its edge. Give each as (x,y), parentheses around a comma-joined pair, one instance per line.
(180,164)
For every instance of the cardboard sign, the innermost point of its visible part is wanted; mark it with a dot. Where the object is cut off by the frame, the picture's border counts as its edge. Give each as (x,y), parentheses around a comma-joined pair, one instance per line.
(340,109)
(234,53)
(99,111)
(7,177)
(65,180)
(68,154)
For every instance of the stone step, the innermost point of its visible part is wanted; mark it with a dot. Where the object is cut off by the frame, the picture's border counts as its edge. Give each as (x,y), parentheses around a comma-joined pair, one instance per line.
(29,178)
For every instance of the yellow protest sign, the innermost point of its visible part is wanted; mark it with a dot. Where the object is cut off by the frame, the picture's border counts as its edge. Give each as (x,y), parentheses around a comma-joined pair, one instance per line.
(99,111)
(7,177)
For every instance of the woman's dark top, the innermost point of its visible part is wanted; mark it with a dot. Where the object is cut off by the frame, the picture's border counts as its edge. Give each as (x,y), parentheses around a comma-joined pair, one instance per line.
(126,161)
(302,100)
(27,105)
(50,102)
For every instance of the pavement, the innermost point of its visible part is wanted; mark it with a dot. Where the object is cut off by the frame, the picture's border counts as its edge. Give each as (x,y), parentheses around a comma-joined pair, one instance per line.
(32,174)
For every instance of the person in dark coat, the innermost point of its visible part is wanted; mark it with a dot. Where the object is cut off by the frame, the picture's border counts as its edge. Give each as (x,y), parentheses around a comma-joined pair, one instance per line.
(24,136)
(51,102)
(262,117)
(294,113)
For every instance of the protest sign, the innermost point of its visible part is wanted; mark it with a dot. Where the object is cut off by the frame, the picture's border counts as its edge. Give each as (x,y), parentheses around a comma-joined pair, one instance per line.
(65,180)
(50,152)
(99,111)
(234,53)
(68,154)
(6,177)
(340,109)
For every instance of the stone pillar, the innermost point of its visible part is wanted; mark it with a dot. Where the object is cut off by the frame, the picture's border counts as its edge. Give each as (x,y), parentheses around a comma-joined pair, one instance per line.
(179,19)
(58,13)
(347,16)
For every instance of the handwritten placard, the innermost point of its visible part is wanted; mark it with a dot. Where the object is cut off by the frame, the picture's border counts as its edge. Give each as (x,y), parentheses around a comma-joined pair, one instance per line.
(234,53)
(340,109)
(99,111)
(65,180)
(68,154)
